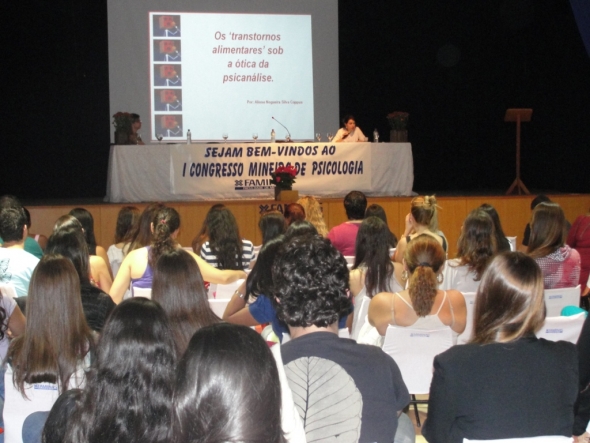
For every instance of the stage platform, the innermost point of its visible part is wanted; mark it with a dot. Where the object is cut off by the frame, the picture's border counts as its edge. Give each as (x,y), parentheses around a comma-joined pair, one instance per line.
(514,213)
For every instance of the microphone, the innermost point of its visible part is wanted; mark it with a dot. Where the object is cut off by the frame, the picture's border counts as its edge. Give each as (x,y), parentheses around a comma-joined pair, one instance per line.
(289,134)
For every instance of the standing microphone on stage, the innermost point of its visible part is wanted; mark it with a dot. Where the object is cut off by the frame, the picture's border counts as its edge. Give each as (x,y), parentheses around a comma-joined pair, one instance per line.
(288,133)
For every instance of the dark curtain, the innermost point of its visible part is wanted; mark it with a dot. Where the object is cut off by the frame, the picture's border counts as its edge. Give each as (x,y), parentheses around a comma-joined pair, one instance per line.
(581,10)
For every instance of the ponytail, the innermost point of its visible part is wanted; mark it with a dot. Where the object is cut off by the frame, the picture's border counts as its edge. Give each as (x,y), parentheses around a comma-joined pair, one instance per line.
(165,222)
(422,288)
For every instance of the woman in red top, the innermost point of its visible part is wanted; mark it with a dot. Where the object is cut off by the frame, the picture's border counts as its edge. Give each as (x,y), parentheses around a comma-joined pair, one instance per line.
(579,238)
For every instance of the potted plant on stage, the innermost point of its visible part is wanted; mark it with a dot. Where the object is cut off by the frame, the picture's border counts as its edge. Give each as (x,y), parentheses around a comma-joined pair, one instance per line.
(283,178)
(398,122)
(122,124)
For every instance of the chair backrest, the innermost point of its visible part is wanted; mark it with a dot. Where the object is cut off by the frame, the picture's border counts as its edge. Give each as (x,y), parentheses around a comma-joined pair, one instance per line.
(8,290)
(414,350)
(465,336)
(360,316)
(541,439)
(142,292)
(343,333)
(218,305)
(222,292)
(557,299)
(512,241)
(562,328)
(349,259)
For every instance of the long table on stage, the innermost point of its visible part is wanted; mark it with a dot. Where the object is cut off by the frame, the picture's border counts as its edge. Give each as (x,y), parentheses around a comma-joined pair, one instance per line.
(229,171)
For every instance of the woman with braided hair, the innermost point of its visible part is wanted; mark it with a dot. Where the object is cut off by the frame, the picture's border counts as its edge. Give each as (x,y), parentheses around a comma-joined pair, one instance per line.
(422,305)
(137,268)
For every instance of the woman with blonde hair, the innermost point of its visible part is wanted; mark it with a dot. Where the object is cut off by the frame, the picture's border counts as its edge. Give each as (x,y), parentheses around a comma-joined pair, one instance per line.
(422,305)
(526,387)
(422,217)
(559,263)
(314,214)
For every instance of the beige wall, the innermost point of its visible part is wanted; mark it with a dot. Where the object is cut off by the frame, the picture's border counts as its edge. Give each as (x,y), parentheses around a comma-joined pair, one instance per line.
(514,213)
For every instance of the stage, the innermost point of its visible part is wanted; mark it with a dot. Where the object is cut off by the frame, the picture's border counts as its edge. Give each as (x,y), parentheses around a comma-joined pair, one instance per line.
(514,213)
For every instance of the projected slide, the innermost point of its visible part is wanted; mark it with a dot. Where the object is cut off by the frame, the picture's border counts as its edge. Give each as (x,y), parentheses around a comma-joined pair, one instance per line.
(219,74)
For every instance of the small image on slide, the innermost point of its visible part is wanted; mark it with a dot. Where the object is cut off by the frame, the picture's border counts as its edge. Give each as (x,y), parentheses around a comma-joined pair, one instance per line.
(167,50)
(166,25)
(168,99)
(169,125)
(167,75)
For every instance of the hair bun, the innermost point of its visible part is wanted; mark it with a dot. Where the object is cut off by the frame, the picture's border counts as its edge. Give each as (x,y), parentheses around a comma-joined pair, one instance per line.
(429,200)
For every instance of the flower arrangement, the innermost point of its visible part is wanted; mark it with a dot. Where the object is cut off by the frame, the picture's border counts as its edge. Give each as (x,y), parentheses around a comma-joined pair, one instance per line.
(398,120)
(283,177)
(122,121)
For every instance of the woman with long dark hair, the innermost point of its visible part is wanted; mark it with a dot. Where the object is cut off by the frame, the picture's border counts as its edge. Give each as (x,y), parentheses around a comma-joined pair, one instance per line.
(127,219)
(271,225)
(137,268)
(476,248)
(128,395)
(526,387)
(372,271)
(141,235)
(422,305)
(502,243)
(51,355)
(560,264)
(220,381)
(87,221)
(179,288)
(224,248)
(97,304)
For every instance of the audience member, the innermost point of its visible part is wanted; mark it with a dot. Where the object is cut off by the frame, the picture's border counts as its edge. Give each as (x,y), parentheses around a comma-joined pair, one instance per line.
(39,238)
(31,246)
(97,304)
(298,228)
(294,212)
(373,271)
(100,275)
(541,198)
(134,136)
(476,248)
(376,210)
(314,214)
(271,225)
(51,355)
(179,288)
(502,243)
(559,263)
(227,389)
(582,406)
(418,222)
(137,267)
(506,383)
(11,318)
(127,219)
(141,235)
(17,265)
(225,248)
(128,395)
(579,238)
(343,236)
(359,387)
(203,234)
(422,305)
(87,221)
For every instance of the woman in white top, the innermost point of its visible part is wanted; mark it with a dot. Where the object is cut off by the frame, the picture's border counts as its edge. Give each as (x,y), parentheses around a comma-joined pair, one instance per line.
(138,266)
(127,220)
(50,357)
(350,132)
(422,305)
(476,248)
(373,271)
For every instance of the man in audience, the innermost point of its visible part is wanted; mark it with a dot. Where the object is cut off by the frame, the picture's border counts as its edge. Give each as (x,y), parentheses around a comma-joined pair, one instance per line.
(339,387)
(16,265)
(31,246)
(343,236)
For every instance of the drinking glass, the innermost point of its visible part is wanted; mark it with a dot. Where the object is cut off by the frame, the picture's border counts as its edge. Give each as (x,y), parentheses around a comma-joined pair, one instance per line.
(318,136)
(225,135)
(255,136)
(330,136)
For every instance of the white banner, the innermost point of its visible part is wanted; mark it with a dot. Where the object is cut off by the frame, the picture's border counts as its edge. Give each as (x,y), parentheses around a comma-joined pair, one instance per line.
(243,170)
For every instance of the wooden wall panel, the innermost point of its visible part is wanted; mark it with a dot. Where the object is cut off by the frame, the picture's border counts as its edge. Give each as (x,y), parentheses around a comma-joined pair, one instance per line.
(514,214)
